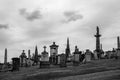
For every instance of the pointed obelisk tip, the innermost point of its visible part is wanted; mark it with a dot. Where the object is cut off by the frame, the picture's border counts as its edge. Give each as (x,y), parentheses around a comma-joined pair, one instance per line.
(118,37)
(67,38)
(97,28)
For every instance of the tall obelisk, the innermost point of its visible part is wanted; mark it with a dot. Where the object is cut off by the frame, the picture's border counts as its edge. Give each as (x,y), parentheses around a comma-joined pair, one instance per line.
(67,51)
(118,43)
(118,47)
(5,57)
(36,60)
(98,35)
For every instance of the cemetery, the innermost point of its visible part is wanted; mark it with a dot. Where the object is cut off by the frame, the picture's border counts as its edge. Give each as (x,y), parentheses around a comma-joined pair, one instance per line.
(54,66)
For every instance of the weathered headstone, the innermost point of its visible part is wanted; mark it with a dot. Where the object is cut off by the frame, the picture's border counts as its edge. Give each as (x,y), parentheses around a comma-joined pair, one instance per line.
(118,53)
(15,64)
(95,55)
(76,56)
(88,54)
(63,60)
(58,59)
(76,60)
(44,62)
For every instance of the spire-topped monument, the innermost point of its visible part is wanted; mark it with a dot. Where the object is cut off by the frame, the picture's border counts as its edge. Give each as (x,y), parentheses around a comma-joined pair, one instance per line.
(67,51)
(97,39)
(118,43)
(36,59)
(98,35)
(5,57)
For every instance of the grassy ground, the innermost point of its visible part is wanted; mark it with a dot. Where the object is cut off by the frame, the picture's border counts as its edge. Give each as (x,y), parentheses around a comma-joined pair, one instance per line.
(94,70)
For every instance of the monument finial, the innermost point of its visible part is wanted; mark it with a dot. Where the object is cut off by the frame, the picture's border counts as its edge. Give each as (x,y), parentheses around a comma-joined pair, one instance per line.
(68,43)
(97,30)
(44,48)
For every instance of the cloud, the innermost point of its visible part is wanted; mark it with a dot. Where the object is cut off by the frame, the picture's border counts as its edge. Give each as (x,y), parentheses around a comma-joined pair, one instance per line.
(4,26)
(72,16)
(31,16)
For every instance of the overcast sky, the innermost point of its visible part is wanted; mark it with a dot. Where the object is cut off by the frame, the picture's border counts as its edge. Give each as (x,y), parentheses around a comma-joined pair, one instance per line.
(27,23)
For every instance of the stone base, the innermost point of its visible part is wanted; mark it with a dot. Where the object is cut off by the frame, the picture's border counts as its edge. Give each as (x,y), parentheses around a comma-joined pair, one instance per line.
(76,63)
(44,64)
(63,65)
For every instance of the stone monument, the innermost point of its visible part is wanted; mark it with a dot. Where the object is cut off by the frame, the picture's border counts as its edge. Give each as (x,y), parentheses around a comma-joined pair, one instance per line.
(44,62)
(118,47)
(76,56)
(67,50)
(16,64)
(98,50)
(88,55)
(36,59)
(63,60)
(53,53)
(23,59)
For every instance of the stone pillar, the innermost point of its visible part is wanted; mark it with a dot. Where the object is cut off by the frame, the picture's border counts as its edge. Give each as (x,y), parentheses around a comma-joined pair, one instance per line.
(5,57)
(118,47)
(36,59)
(29,63)
(98,50)
(67,50)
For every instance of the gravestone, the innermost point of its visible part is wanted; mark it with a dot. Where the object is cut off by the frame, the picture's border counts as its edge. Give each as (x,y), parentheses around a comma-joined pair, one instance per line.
(58,59)
(88,55)
(44,62)
(15,64)
(118,53)
(76,57)
(63,60)
(95,55)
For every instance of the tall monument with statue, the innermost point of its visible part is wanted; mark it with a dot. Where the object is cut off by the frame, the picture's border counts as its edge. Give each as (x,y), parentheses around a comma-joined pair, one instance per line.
(98,50)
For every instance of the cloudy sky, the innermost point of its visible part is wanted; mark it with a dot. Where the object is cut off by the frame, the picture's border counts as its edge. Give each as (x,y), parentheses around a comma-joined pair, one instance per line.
(26,23)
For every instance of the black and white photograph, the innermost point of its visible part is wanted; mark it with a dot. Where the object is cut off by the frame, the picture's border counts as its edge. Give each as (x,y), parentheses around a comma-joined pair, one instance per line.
(59,39)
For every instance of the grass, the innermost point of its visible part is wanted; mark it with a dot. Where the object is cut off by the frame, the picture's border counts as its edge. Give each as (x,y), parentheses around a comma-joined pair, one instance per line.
(33,73)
